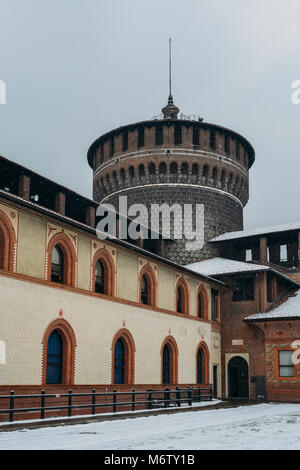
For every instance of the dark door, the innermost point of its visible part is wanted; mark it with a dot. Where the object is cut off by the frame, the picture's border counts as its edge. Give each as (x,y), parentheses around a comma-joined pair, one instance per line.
(215,380)
(166,365)
(54,358)
(119,362)
(238,378)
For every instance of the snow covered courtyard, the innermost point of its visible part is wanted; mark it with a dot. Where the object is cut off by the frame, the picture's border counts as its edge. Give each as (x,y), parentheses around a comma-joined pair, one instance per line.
(264,426)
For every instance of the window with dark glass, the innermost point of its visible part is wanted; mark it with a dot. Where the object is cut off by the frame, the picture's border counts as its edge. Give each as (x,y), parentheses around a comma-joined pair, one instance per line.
(99,278)
(177,135)
(141,137)
(200,306)
(212,139)
(214,304)
(57,265)
(237,150)
(196,138)
(125,141)
(54,358)
(119,362)
(144,291)
(112,146)
(285,363)
(158,135)
(180,300)
(166,364)
(227,144)
(242,288)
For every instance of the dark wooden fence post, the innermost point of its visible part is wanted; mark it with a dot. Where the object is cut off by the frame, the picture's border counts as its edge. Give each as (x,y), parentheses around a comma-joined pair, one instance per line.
(167,397)
(178,396)
(70,403)
(189,396)
(93,401)
(114,400)
(149,399)
(11,406)
(43,404)
(133,399)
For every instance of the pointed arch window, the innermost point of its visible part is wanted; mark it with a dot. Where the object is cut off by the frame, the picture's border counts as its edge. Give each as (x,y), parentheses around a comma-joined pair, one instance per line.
(123,358)
(119,362)
(166,364)
(104,273)
(144,291)
(54,358)
(57,265)
(200,366)
(169,361)
(100,278)
(180,296)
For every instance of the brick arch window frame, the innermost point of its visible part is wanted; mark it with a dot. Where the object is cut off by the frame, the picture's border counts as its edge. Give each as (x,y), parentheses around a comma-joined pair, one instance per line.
(129,365)
(205,362)
(149,274)
(185,290)
(8,241)
(107,261)
(69,345)
(69,258)
(171,343)
(203,294)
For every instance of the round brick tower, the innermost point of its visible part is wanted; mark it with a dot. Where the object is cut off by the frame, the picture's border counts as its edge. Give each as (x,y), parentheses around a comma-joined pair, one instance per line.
(176,160)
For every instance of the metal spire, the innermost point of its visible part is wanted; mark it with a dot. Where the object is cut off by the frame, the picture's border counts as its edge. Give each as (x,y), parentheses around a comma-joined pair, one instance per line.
(170,100)
(170,111)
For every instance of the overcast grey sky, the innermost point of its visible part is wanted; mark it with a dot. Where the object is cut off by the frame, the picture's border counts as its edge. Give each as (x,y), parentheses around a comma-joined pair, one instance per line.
(75,69)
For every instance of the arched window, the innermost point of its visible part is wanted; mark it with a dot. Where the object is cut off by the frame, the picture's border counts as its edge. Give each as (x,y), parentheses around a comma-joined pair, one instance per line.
(202,303)
(166,364)
(200,306)
(177,134)
(141,170)
(58,363)
(131,173)
(119,362)
(182,297)
(144,291)
(57,265)
(123,357)
(202,364)
(184,168)
(122,175)
(169,361)
(158,135)
(195,169)
(148,284)
(104,273)
(99,278)
(162,168)
(54,358)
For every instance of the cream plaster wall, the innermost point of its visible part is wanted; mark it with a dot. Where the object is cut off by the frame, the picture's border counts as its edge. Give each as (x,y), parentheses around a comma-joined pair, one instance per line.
(95,321)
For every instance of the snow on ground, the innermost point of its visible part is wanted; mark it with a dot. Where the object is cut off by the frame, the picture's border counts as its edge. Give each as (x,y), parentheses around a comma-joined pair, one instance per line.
(264,426)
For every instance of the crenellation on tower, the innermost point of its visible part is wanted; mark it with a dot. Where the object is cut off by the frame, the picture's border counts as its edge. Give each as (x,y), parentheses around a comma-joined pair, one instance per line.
(172,160)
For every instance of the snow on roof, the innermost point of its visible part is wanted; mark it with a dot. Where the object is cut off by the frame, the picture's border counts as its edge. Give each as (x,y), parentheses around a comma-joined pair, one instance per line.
(290,309)
(256,231)
(215,266)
